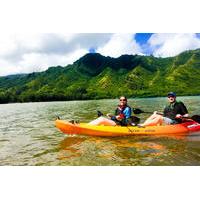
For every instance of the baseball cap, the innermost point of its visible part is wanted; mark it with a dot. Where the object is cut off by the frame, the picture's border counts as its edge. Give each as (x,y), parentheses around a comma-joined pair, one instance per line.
(171,94)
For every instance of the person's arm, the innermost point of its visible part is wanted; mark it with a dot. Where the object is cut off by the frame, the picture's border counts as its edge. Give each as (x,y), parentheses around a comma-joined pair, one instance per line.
(184,111)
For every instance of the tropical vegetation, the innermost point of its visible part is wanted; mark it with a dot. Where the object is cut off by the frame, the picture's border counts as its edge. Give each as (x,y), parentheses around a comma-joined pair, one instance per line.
(94,76)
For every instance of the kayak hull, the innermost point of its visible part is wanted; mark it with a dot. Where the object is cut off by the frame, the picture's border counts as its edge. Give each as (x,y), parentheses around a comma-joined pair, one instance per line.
(113,131)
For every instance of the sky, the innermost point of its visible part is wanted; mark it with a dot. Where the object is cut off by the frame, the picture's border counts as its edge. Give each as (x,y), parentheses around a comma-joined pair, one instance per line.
(26,53)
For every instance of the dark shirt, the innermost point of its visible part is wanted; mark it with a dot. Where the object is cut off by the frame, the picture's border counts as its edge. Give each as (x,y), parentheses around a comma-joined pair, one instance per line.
(173,109)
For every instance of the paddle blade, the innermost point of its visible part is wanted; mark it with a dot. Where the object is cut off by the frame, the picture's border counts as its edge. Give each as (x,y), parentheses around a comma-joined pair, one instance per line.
(135,120)
(196,118)
(99,113)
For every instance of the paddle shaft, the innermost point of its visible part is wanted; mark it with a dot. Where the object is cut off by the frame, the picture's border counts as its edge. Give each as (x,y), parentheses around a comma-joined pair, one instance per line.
(195,118)
(139,111)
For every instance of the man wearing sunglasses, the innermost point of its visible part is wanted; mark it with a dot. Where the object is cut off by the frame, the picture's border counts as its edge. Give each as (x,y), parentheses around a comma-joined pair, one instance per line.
(172,114)
(121,117)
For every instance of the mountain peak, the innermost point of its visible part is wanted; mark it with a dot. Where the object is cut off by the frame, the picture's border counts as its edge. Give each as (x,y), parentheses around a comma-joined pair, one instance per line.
(91,63)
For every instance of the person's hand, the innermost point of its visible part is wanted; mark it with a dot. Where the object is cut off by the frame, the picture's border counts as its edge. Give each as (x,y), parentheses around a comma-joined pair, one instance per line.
(178,116)
(120,116)
(117,117)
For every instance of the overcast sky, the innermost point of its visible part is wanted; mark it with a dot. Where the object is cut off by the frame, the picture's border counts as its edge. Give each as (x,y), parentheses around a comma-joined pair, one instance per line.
(26,53)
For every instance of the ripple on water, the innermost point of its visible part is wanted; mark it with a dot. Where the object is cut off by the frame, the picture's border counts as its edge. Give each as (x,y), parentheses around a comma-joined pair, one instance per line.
(28,137)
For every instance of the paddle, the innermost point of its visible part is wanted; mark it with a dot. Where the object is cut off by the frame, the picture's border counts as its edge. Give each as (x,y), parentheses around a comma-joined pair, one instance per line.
(195,118)
(99,113)
(134,119)
(139,111)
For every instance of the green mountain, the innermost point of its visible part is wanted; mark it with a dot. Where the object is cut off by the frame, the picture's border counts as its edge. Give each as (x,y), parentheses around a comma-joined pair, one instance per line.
(95,76)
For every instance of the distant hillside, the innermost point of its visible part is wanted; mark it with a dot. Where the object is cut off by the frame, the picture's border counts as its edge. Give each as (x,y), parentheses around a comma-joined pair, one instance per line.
(95,76)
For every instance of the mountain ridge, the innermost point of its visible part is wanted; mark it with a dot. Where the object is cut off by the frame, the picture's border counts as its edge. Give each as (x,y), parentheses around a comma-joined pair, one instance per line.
(95,76)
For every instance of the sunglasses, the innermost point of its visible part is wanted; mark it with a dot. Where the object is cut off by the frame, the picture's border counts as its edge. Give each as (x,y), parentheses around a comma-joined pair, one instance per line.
(171,96)
(122,99)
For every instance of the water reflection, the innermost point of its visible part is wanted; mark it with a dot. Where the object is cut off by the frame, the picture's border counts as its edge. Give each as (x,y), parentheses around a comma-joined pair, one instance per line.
(193,136)
(121,151)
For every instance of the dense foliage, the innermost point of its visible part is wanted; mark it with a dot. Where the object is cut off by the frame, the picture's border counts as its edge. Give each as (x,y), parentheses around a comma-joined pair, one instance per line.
(94,76)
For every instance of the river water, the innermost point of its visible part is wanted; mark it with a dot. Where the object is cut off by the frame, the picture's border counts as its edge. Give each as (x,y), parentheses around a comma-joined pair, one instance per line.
(28,136)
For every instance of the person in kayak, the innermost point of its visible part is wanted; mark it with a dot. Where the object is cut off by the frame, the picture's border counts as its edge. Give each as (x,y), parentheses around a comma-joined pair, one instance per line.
(172,113)
(121,117)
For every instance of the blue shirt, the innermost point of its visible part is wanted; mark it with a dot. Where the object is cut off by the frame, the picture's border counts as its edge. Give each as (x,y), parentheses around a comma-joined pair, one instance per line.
(127,112)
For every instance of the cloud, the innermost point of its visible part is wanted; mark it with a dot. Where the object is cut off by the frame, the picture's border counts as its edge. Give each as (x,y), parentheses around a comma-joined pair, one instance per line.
(120,44)
(25,53)
(171,44)
(43,61)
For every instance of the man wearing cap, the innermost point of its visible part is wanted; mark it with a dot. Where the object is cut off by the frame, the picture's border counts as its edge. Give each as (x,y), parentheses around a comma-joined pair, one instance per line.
(172,113)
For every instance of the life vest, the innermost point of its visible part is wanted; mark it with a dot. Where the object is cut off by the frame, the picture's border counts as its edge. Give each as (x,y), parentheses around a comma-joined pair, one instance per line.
(120,110)
(173,109)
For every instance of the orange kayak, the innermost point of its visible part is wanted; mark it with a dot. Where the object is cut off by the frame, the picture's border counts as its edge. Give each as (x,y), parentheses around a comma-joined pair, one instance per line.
(85,129)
